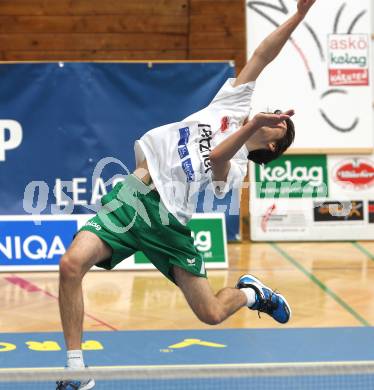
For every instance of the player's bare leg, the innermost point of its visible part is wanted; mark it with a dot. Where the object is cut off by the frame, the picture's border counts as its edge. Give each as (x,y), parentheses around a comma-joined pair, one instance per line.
(214,308)
(209,308)
(85,251)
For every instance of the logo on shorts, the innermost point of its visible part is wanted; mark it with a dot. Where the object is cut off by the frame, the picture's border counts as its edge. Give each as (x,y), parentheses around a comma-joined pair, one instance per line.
(191,261)
(205,146)
(95,225)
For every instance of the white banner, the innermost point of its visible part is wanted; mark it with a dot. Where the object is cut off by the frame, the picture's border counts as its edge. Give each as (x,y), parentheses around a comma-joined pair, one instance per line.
(345,211)
(324,72)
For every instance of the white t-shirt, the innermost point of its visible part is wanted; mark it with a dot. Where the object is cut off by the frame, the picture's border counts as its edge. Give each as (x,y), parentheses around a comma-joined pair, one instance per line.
(178,153)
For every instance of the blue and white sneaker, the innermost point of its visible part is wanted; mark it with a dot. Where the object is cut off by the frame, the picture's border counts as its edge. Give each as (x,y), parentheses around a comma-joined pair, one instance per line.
(75,385)
(267,300)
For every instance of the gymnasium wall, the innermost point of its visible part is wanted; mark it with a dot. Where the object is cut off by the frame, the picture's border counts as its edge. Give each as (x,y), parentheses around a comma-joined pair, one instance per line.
(122,30)
(89,30)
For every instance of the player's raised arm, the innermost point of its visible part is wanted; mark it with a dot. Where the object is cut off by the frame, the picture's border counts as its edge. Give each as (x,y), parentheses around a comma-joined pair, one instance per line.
(222,154)
(271,46)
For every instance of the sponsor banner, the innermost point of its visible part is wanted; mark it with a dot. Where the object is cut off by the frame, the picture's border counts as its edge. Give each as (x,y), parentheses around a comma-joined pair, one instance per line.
(335,211)
(349,59)
(292,177)
(328,64)
(354,173)
(371,211)
(28,244)
(69,158)
(24,243)
(346,213)
(278,219)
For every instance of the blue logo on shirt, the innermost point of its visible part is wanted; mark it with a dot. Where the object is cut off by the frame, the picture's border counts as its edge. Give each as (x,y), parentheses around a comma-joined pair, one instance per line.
(184,136)
(188,170)
(183,151)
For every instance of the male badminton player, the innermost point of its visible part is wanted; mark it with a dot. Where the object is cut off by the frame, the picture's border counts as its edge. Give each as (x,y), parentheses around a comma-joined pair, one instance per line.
(149,210)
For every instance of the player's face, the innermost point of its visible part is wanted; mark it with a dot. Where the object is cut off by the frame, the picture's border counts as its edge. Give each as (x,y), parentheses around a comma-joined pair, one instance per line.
(271,134)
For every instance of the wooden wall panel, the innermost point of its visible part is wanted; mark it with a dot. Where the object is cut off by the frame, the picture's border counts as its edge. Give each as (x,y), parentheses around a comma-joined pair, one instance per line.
(122,29)
(101,42)
(94,7)
(94,24)
(93,29)
(217,30)
(93,55)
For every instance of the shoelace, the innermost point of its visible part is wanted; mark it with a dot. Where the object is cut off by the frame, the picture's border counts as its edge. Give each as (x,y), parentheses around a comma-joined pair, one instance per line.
(267,305)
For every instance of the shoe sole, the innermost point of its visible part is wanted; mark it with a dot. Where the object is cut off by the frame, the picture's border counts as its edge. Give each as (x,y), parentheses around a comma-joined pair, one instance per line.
(262,284)
(88,386)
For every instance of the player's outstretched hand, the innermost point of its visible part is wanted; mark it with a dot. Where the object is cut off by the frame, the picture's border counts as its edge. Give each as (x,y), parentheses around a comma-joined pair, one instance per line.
(265,119)
(303,6)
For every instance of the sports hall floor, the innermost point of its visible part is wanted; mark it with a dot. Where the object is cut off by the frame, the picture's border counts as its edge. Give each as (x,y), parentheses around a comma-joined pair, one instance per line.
(139,317)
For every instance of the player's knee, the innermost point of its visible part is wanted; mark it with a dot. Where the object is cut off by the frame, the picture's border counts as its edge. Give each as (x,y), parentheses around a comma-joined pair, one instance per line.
(70,267)
(211,316)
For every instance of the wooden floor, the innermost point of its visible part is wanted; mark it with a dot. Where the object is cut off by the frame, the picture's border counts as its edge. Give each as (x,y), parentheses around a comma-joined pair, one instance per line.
(326,284)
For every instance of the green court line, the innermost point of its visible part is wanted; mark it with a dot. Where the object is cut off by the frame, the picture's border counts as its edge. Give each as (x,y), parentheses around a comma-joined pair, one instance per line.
(321,285)
(363,250)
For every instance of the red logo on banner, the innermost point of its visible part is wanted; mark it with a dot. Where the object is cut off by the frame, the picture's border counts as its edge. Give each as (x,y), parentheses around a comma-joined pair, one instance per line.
(349,77)
(357,173)
(225,121)
(265,218)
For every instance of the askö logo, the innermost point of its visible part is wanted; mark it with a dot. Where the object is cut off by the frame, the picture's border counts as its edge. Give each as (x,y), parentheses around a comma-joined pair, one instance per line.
(349,59)
(24,243)
(10,136)
(293,176)
(355,173)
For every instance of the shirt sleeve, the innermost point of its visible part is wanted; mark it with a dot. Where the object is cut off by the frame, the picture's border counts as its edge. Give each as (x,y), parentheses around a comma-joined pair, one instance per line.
(235,98)
(235,177)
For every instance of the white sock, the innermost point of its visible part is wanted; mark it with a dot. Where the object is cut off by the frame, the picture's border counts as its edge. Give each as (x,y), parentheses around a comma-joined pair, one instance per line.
(250,293)
(75,359)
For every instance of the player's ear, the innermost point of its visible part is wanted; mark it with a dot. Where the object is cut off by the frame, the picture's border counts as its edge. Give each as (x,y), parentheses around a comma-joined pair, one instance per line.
(272,146)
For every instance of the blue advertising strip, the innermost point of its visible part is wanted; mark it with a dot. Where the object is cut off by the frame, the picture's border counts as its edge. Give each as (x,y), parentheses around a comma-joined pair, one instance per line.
(30,243)
(60,119)
(173,347)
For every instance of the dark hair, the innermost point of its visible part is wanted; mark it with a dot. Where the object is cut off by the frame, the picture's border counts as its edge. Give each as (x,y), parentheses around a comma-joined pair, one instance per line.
(264,156)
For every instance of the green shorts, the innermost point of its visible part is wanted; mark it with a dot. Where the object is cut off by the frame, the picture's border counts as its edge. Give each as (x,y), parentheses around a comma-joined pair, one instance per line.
(133,218)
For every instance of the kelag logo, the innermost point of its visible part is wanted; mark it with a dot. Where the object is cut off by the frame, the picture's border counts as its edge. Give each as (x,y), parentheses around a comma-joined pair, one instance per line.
(293,177)
(25,243)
